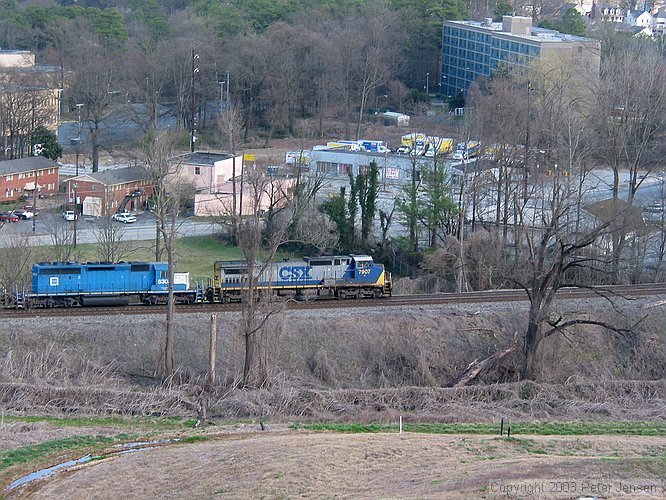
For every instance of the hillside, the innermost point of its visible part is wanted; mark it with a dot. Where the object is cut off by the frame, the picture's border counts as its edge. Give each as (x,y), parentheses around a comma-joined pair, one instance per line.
(358,364)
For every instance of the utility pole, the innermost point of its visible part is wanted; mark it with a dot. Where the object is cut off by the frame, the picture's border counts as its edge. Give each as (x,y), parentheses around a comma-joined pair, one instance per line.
(34,204)
(78,138)
(76,212)
(195,70)
(227,100)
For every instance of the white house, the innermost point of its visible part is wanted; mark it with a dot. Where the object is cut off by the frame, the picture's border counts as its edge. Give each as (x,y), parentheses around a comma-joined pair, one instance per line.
(642,19)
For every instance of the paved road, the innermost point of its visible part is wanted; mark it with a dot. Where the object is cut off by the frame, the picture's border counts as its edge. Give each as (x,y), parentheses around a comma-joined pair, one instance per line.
(125,125)
(143,229)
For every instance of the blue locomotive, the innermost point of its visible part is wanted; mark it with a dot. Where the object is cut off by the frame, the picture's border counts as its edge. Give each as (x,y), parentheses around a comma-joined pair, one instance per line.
(68,284)
(337,276)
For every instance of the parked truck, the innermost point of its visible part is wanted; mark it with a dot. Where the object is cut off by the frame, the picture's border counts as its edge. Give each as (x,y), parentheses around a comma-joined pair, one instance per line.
(438,146)
(413,140)
(344,145)
(373,146)
(467,150)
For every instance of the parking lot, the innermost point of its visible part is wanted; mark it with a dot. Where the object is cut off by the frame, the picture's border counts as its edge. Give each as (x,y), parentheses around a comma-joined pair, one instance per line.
(88,228)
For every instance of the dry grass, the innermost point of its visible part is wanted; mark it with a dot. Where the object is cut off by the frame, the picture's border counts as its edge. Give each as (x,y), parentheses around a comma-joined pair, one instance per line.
(335,365)
(525,400)
(390,465)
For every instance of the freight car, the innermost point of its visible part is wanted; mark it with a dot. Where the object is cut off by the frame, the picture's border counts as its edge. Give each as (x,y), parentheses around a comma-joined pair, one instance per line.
(338,276)
(69,284)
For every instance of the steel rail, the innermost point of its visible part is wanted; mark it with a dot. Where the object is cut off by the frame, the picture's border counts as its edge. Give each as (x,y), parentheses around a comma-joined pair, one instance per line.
(490,296)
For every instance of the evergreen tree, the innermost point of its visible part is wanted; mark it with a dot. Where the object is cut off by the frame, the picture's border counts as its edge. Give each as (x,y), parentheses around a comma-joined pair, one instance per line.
(44,143)
(572,23)
(367,187)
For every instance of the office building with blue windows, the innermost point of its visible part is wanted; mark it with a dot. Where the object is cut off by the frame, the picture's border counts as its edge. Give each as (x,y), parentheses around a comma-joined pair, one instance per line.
(473,49)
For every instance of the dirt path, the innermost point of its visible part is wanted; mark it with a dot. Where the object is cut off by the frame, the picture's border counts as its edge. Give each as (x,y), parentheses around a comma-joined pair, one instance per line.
(322,465)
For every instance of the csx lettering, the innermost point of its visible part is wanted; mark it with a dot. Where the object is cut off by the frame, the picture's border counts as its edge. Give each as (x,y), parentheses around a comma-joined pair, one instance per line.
(295,273)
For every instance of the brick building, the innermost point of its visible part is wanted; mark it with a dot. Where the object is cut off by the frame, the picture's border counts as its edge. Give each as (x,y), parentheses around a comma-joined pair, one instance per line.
(22,176)
(110,191)
(206,171)
(29,96)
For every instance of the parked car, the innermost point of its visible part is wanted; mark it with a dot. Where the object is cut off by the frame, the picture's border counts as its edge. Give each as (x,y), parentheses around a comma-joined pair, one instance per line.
(654,207)
(403,150)
(24,214)
(124,217)
(8,217)
(69,215)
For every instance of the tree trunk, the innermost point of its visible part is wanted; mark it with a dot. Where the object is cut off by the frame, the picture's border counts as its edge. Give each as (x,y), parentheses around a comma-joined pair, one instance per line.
(168,345)
(533,337)
(95,147)
(212,353)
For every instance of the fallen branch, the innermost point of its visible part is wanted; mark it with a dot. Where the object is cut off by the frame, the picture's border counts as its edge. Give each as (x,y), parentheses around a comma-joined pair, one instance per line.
(477,367)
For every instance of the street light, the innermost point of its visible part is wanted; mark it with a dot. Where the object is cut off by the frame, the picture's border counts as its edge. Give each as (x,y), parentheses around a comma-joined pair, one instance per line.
(222,84)
(78,138)
(427,85)
(195,70)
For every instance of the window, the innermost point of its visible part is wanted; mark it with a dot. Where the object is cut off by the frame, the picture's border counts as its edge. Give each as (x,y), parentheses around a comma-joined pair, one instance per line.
(197,170)
(59,270)
(9,178)
(321,262)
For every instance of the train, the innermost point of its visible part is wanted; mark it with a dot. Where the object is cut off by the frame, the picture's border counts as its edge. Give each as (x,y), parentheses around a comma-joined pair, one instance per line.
(74,284)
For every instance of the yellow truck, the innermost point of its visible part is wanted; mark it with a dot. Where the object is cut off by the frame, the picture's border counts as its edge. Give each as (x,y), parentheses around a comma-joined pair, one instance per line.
(438,146)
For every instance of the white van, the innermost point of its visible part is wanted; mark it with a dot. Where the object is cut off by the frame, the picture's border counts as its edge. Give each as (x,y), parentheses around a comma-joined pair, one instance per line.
(69,215)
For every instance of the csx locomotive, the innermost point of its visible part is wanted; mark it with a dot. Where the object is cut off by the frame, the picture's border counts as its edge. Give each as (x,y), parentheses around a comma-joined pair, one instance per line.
(338,276)
(73,284)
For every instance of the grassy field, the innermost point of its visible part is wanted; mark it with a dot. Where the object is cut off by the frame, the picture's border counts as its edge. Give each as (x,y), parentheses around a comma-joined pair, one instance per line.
(577,428)
(194,254)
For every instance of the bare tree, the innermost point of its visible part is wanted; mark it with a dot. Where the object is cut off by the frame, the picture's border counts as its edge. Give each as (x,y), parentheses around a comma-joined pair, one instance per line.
(109,235)
(15,265)
(61,232)
(93,86)
(630,119)
(500,115)
(263,214)
(259,253)
(168,195)
(230,123)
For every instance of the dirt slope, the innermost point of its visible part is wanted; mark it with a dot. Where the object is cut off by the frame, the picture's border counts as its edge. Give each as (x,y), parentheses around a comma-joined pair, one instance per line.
(323,465)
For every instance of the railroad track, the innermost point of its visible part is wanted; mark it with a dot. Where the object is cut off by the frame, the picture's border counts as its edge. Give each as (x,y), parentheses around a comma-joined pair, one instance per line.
(628,291)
